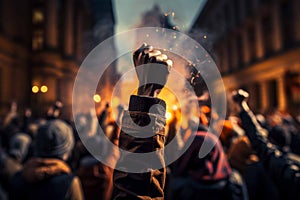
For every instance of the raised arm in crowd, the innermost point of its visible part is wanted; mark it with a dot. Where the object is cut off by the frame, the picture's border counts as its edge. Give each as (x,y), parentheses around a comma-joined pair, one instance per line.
(284,172)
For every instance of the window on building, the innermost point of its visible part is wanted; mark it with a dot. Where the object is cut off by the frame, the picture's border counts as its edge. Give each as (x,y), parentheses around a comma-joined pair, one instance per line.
(227,16)
(240,50)
(1,15)
(217,49)
(293,88)
(230,54)
(1,83)
(220,19)
(237,11)
(252,43)
(256,96)
(37,16)
(268,33)
(273,94)
(249,7)
(266,1)
(225,56)
(287,22)
(37,39)
(60,23)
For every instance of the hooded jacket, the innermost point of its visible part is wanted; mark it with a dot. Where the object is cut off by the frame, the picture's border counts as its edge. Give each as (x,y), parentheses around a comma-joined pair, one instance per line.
(149,185)
(206,178)
(45,178)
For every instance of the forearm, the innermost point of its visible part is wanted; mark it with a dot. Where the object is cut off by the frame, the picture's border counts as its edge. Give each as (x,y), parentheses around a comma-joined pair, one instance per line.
(281,170)
(255,133)
(143,111)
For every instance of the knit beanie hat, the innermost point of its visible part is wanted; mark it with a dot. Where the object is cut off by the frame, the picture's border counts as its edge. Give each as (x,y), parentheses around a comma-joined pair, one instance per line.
(19,145)
(54,139)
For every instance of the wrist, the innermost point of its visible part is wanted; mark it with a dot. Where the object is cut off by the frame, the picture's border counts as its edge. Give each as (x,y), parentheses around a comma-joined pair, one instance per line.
(147,104)
(150,90)
(244,106)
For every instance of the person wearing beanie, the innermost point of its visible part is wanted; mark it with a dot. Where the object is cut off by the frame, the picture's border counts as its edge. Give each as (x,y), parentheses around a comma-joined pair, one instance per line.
(210,177)
(47,175)
(12,162)
(19,146)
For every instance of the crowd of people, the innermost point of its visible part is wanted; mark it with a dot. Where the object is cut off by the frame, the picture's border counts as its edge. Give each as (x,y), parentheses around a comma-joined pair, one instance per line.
(255,157)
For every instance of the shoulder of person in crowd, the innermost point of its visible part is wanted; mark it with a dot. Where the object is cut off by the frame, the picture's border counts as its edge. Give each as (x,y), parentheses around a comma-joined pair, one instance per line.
(294,158)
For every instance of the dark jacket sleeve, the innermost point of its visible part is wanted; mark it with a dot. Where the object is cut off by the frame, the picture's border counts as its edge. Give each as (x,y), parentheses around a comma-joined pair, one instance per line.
(143,112)
(284,172)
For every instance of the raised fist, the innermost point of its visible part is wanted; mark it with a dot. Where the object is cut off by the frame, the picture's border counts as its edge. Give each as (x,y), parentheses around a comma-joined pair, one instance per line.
(196,81)
(152,68)
(239,96)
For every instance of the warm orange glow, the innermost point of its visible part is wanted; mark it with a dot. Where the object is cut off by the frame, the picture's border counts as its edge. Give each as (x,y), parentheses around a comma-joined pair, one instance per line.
(168,116)
(97,98)
(44,89)
(205,109)
(115,101)
(35,89)
(37,16)
(175,107)
(204,36)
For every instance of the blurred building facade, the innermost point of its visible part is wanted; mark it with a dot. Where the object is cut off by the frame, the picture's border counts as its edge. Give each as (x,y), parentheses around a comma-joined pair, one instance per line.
(256,44)
(156,18)
(42,43)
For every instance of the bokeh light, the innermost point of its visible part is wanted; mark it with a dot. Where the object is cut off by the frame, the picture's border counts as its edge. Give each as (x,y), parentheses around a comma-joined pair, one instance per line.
(168,115)
(44,89)
(97,98)
(35,89)
(115,101)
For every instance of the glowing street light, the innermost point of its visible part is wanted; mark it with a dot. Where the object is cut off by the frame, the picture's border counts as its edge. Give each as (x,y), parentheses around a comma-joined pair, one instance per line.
(35,89)
(44,89)
(97,98)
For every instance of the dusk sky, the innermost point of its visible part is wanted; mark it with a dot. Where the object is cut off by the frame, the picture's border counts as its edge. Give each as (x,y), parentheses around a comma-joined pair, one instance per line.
(128,12)
(128,15)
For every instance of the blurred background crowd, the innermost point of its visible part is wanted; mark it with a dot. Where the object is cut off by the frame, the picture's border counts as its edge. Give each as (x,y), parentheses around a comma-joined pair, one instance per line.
(43,151)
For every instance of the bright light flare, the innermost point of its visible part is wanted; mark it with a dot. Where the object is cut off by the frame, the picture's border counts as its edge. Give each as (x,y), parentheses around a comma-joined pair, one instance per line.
(168,115)
(35,89)
(175,107)
(97,98)
(44,89)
